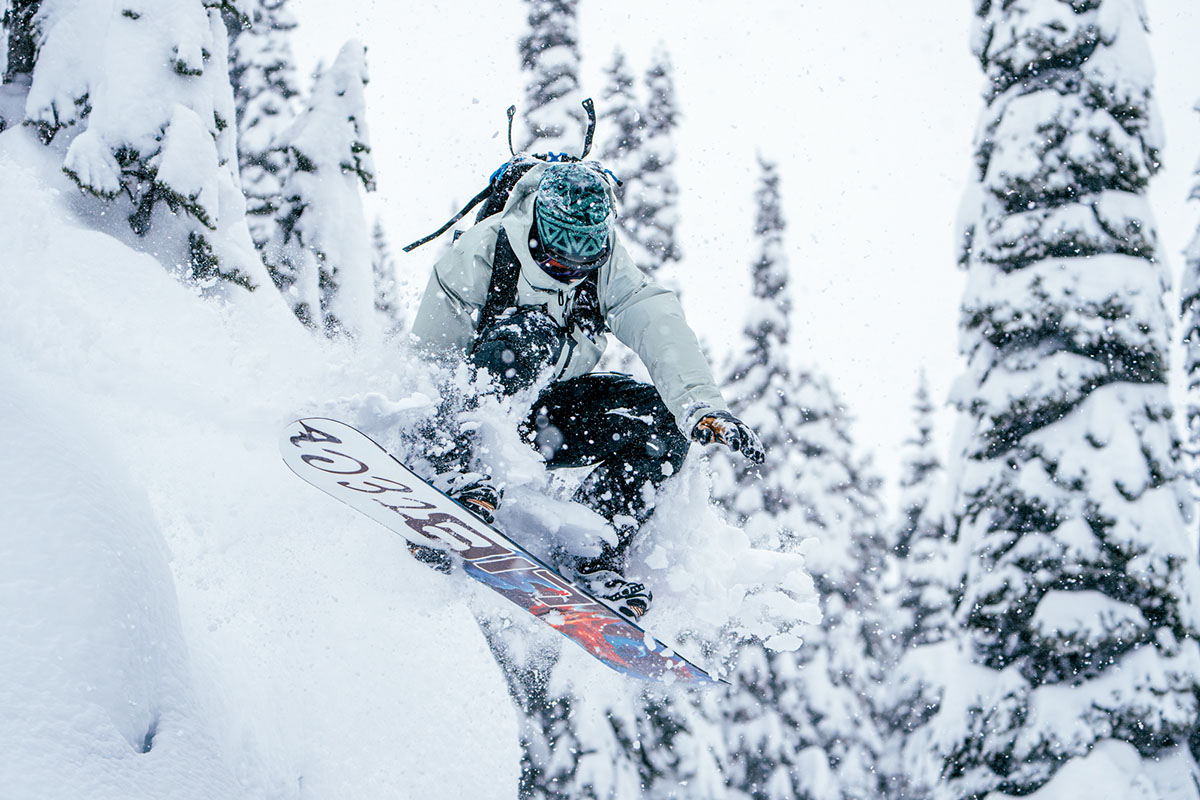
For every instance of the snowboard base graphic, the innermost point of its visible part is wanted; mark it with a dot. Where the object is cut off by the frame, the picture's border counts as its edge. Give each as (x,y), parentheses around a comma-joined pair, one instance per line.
(347,464)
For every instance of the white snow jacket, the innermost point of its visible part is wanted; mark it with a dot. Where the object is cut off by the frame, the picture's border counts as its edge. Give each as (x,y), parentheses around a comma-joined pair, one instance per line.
(642,314)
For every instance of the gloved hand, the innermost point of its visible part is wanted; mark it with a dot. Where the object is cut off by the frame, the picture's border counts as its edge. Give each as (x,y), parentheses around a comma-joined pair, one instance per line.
(724,428)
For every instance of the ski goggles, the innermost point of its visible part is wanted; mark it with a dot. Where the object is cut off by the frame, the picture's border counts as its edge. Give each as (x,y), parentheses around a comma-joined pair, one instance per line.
(564,270)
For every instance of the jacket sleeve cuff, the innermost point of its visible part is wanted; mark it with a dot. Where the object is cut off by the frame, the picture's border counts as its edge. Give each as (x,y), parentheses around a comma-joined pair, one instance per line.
(695,412)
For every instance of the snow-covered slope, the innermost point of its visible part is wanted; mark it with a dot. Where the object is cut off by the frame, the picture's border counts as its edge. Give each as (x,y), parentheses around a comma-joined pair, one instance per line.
(94,675)
(178,610)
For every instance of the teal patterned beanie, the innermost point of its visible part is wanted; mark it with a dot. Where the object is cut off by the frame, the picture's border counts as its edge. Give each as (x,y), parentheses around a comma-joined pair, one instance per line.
(573,212)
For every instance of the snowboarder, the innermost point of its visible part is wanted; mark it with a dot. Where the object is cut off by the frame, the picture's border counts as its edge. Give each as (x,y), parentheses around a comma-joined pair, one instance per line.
(526,294)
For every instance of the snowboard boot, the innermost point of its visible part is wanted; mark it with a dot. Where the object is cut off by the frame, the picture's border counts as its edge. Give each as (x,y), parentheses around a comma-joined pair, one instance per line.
(630,600)
(474,491)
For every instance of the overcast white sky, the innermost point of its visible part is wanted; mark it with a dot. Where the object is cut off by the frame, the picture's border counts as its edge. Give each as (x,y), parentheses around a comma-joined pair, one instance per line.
(868,107)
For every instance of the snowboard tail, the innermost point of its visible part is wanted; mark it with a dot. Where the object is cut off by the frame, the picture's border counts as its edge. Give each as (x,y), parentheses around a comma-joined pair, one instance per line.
(347,464)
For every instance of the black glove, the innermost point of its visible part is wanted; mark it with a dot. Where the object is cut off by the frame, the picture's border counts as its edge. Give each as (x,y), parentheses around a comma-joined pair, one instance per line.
(724,428)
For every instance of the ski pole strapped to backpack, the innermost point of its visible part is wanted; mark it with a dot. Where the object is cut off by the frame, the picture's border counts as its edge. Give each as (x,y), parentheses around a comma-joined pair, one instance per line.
(495,195)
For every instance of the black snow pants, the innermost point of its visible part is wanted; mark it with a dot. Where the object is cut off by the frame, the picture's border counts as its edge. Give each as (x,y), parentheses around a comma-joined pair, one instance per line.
(609,421)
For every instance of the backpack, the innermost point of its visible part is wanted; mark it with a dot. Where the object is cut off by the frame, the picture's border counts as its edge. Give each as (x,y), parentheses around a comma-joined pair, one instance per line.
(502,292)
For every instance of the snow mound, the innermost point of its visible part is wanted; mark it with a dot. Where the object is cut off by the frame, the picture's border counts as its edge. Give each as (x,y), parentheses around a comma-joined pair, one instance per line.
(174,584)
(94,672)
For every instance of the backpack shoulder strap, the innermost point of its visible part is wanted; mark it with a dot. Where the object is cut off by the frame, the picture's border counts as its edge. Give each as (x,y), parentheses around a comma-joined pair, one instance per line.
(502,291)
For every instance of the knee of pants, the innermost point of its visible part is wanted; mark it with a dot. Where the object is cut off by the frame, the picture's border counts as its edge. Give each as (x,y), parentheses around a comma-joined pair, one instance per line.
(669,448)
(517,348)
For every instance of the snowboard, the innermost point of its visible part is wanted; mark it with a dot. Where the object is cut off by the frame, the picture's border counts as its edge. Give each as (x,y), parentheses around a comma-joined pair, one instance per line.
(347,464)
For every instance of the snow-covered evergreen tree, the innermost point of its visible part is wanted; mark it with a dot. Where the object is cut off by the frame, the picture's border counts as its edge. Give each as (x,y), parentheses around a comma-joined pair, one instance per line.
(621,121)
(20,40)
(606,763)
(550,749)
(630,740)
(554,119)
(383,267)
(620,131)
(798,722)
(1190,308)
(577,741)
(681,741)
(267,98)
(921,468)
(802,723)
(924,587)
(320,256)
(141,95)
(652,194)
(761,379)
(1079,600)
